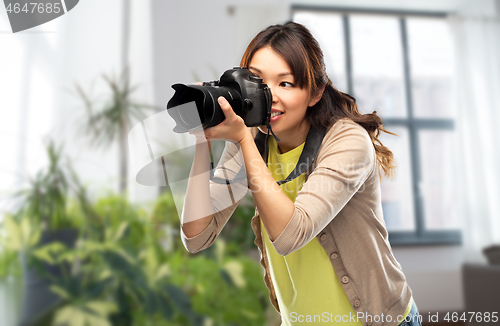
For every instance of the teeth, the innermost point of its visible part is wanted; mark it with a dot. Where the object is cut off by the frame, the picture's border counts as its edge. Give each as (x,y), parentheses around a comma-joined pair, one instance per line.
(275,114)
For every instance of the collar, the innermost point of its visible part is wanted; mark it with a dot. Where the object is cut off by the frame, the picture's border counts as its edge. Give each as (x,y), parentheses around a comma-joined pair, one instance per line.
(313,142)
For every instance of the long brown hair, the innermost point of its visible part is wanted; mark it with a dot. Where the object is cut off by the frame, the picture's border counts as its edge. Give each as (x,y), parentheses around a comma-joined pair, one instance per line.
(300,50)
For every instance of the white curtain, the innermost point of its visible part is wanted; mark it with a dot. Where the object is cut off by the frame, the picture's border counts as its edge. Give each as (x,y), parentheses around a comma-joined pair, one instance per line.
(478,101)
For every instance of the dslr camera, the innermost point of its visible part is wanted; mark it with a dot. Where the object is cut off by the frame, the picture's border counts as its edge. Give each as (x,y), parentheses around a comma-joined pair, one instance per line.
(194,106)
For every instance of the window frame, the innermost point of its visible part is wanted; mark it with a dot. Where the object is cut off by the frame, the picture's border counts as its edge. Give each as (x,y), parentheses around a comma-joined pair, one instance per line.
(420,236)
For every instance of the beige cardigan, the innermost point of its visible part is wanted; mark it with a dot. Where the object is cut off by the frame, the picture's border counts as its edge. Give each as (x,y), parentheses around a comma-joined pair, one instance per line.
(340,204)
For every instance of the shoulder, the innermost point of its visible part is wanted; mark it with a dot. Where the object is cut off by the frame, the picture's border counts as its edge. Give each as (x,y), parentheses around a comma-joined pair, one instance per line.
(349,138)
(343,125)
(346,128)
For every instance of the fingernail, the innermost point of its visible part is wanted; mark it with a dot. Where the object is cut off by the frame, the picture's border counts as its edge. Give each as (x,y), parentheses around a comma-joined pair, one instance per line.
(222,100)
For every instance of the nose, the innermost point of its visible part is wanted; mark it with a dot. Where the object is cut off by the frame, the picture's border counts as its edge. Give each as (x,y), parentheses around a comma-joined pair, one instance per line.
(274,94)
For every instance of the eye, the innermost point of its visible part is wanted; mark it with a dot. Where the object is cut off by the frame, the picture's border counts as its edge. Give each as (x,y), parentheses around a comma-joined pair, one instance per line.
(286,84)
(253,72)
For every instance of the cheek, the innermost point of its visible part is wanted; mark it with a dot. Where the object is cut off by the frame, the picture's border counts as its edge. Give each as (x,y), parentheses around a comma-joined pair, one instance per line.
(300,104)
(295,100)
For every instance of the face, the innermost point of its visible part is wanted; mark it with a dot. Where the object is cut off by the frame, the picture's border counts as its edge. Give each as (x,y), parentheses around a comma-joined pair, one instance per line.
(289,100)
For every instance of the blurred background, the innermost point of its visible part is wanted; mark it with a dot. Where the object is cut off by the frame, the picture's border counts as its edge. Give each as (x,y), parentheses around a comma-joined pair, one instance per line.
(81,242)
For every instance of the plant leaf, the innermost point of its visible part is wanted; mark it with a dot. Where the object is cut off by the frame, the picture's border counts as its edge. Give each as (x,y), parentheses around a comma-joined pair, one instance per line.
(70,316)
(60,292)
(102,308)
(162,272)
(235,271)
(25,231)
(14,242)
(180,299)
(121,230)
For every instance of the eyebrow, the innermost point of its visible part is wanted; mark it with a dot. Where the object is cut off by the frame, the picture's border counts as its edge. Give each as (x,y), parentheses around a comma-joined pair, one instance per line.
(279,75)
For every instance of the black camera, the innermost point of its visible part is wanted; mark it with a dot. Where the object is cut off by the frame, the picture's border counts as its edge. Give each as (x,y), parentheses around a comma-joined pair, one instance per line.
(193,105)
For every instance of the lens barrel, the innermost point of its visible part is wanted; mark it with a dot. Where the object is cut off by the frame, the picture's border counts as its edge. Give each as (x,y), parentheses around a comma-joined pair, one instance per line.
(193,106)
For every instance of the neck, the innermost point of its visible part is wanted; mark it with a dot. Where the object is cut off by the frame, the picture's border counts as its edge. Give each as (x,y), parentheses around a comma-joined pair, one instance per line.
(289,142)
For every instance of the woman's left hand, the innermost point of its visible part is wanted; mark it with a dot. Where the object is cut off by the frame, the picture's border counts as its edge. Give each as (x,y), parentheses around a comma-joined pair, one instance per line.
(232,128)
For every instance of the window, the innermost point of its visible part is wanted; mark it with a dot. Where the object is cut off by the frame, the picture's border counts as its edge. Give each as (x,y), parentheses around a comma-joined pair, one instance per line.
(28,81)
(400,64)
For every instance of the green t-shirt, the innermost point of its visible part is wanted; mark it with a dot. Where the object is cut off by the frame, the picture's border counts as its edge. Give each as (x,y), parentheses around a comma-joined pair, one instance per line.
(307,288)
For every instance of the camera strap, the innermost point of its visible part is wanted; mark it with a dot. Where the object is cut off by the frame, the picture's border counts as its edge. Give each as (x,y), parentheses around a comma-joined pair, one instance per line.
(313,142)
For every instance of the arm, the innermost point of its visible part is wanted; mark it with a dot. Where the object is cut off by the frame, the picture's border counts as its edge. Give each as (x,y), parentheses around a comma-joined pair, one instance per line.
(274,206)
(346,161)
(218,199)
(198,211)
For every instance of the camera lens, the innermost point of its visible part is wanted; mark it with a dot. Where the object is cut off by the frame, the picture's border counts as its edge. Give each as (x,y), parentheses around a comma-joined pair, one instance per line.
(189,118)
(205,111)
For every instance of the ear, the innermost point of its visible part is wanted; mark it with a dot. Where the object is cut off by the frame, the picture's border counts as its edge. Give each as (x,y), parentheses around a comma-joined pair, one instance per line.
(315,99)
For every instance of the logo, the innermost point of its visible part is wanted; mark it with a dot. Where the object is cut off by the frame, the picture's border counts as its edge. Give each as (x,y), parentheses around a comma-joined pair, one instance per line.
(25,14)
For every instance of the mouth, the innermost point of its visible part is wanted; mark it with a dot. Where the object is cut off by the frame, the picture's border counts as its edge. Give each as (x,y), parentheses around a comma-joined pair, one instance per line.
(275,113)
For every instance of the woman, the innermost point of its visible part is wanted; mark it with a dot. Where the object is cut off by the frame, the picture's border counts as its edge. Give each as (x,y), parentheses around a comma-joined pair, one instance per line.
(322,236)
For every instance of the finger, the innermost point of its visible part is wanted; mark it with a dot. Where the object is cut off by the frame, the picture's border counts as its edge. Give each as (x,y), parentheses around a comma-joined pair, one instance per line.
(226,107)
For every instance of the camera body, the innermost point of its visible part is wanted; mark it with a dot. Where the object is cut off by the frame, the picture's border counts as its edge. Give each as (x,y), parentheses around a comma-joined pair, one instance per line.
(249,97)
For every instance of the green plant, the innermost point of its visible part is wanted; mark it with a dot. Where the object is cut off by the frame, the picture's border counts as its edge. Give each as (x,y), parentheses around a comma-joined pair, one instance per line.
(45,201)
(164,211)
(45,211)
(44,204)
(9,260)
(228,290)
(119,263)
(117,274)
(20,237)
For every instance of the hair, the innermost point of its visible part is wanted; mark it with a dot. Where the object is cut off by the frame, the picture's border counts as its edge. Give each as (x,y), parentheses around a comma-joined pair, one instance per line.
(300,50)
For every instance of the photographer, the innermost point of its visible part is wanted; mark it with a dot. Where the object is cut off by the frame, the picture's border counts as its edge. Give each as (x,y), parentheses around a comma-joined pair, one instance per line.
(321,235)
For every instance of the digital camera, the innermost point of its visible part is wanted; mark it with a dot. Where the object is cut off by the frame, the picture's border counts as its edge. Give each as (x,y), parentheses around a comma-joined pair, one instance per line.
(194,105)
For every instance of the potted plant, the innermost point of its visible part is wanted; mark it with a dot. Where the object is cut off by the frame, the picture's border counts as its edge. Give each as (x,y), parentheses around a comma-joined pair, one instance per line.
(10,278)
(44,215)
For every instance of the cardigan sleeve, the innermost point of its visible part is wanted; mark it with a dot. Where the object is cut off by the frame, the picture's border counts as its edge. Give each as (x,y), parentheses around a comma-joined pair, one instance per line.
(225,199)
(345,161)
